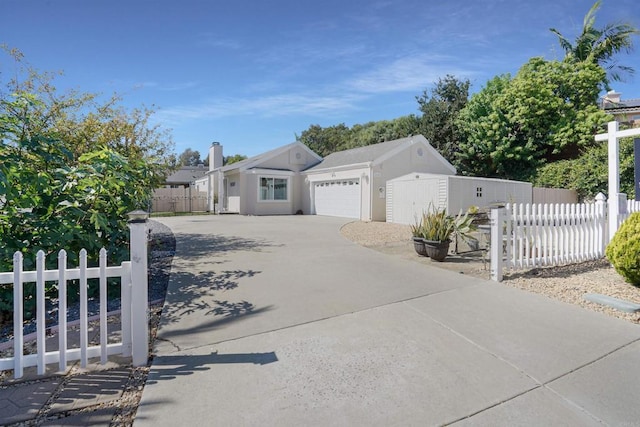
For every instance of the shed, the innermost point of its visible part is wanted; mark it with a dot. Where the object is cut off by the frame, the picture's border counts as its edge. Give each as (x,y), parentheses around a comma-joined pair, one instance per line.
(409,195)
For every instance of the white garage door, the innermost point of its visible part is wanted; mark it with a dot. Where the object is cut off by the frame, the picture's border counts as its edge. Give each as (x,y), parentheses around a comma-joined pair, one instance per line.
(338,198)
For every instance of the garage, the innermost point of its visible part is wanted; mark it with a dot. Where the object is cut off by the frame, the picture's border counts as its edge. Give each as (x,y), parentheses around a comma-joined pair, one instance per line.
(338,198)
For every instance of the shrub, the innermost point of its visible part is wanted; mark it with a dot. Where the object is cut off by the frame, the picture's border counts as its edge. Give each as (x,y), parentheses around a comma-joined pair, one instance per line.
(624,250)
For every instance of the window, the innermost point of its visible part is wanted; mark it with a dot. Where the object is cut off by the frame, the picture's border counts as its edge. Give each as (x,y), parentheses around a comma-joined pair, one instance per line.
(273,188)
(478,191)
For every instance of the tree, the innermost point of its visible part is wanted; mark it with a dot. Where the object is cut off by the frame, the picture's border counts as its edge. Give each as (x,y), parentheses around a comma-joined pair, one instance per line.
(189,157)
(32,106)
(547,112)
(324,141)
(228,160)
(383,130)
(600,45)
(440,110)
(588,174)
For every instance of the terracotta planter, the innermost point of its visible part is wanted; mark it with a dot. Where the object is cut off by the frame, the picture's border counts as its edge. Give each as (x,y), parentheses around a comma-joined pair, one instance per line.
(436,250)
(418,245)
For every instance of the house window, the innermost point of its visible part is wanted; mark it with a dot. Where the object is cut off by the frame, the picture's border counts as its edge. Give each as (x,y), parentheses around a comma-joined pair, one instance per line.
(478,191)
(273,189)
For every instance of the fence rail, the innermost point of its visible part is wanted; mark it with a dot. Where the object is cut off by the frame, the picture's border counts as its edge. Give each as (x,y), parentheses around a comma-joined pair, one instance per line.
(133,298)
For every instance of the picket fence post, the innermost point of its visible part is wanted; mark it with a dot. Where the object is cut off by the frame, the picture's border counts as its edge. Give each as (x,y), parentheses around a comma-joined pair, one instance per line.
(497,217)
(139,298)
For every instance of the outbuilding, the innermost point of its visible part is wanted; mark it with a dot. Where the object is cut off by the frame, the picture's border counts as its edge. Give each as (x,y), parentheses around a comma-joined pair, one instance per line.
(408,196)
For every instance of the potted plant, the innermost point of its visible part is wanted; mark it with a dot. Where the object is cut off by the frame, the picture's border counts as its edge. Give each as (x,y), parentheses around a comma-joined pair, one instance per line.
(418,241)
(437,229)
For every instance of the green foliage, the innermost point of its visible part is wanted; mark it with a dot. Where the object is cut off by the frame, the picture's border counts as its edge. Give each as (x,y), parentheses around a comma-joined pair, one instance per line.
(437,226)
(227,160)
(600,45)
(189,157)
(70,171)
(440,111)
(588,174)
(547,112)
(325,141)
(624,250)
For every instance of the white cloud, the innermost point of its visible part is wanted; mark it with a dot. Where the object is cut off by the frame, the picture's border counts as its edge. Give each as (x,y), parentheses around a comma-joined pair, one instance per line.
(266,106)
(408,74)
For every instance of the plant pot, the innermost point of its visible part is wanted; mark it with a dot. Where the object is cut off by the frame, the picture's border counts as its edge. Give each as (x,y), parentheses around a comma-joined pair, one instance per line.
(418,245)
(436,250)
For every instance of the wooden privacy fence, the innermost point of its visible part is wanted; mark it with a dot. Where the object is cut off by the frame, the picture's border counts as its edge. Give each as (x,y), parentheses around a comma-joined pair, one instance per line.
(133,313)
(179,200)
(526,236)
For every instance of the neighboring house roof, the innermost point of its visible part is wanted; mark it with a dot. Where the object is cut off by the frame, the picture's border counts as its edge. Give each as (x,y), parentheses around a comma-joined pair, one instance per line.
(622,106)
(374,153)
(255,161)
(186,175)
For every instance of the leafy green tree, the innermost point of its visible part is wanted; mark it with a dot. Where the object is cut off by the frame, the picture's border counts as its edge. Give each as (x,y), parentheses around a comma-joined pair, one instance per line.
(547,112)
(440,109)
(383,130)
(70,170)
(588,174)
(324,141)
(189,157)
(228,160)
(600,45)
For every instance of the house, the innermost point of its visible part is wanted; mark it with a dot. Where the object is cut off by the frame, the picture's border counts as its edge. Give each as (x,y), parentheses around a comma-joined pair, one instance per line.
(352,183)
(267,184)
(293,179)
(185,176)
(623,111)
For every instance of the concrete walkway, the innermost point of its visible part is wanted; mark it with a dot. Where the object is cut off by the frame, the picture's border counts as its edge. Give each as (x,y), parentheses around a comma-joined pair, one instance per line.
(281,321)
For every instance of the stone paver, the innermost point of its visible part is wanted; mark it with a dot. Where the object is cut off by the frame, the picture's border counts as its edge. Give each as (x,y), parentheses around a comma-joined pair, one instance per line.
(21,402)
(91,389)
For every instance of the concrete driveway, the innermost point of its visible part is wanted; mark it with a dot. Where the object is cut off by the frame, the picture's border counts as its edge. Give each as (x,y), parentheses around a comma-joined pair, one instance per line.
(278,321)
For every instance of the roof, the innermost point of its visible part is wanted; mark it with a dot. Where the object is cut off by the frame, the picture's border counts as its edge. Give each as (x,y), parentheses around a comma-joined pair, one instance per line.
(354,156)
(622,106)
(186,175)
(255,161)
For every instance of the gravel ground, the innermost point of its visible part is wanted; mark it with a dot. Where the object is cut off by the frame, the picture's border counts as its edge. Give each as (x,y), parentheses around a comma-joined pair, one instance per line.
(567,283)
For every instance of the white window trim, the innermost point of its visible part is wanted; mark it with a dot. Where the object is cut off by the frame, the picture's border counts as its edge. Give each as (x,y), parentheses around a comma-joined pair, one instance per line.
(288,178)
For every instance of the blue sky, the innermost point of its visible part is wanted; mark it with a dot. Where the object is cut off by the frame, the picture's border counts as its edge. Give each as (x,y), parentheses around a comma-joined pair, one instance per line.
(252,74)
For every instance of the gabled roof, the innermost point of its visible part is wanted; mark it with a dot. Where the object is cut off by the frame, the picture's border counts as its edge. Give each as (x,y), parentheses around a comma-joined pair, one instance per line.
(255,161)
(186,175)
(374,153)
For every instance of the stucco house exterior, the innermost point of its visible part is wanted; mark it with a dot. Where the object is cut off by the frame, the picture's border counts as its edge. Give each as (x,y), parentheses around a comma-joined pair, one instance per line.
(352,183)
(293,179)
(267,184)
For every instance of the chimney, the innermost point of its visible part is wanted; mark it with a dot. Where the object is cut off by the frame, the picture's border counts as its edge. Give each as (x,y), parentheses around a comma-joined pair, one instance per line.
(215,156)
(612,98)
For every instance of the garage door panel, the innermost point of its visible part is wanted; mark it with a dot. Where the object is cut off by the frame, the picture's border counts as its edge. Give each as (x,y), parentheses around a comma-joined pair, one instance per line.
(338,198)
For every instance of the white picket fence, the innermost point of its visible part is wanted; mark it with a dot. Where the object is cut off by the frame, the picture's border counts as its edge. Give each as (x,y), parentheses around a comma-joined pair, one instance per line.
(133,313)
(550,234)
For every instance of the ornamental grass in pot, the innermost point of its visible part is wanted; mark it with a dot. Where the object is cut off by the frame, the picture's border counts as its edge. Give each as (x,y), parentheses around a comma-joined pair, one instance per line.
(437,228)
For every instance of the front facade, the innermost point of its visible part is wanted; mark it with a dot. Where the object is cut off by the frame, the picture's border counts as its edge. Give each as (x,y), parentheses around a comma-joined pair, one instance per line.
(293,179)
(267,184)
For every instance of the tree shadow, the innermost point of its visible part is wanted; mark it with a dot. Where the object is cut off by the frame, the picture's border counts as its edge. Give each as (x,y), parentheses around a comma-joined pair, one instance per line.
(169,367)
(214,246)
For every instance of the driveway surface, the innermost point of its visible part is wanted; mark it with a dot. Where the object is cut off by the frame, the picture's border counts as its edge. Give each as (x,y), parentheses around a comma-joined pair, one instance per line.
(278,321)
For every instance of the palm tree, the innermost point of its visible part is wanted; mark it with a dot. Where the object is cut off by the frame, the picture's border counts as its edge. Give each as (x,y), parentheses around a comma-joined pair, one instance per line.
(600,45)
